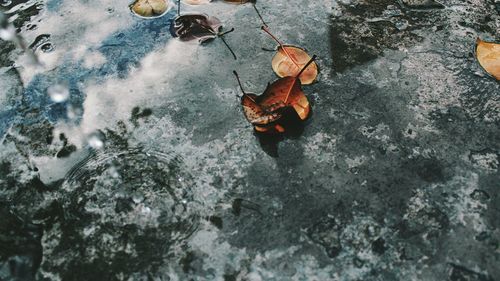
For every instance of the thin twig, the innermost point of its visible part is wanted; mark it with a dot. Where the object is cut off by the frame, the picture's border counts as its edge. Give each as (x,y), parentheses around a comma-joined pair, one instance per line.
(227,45)
(260,16)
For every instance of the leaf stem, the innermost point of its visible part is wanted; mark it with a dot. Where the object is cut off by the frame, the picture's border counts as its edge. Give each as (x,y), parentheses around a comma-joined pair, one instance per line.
(306,65)
(258,14)
(227,45)
(226,32)
(178,7)
(239,81)
(266,30)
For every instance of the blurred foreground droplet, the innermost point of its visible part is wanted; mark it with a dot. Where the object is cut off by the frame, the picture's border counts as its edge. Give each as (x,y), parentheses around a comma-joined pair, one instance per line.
(58,93)
(96,140)
(8,33)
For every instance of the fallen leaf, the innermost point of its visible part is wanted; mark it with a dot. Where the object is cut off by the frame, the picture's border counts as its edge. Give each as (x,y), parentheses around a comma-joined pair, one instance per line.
(194,26)
(198,27)
(289,61)
(254,112)
(286,91)
(265,111)
(488,56)
(150,8)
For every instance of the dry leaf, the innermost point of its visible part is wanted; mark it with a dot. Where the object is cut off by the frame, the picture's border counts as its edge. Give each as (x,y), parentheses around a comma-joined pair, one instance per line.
(149,8)
(265,111)
(488,55)
(254,112)
(286,91)
(200,27)
(284,66)
(289,61)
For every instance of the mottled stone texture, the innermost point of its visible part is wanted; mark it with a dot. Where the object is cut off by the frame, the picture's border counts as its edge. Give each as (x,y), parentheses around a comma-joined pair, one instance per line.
(395,176)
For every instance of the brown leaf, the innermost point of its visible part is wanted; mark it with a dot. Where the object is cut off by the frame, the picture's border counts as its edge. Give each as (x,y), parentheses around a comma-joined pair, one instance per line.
(194,26)
(286,91)
(265,111)
(488,56)
(254,113)
(289,61)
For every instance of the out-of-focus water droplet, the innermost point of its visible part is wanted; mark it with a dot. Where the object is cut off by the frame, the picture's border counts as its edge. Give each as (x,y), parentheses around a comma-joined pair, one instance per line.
(8,33)
(58,93)
(96,140)
(73,112)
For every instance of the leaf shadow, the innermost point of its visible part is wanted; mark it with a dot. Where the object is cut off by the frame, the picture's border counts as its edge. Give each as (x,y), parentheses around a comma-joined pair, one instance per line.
(294,127)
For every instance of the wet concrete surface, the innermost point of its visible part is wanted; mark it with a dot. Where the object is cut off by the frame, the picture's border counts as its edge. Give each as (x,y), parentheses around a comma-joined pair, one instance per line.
(149,170)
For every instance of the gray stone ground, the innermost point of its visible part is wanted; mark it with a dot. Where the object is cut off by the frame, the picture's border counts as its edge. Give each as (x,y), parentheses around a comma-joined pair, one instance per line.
(394,177)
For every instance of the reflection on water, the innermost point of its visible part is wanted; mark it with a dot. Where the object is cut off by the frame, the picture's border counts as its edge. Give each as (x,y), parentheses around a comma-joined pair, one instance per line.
(394,175)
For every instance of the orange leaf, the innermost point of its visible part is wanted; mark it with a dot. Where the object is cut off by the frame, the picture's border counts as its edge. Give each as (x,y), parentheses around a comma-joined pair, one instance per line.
(285,92)
(291,66)
(488,55)
(290,60)
(254,112)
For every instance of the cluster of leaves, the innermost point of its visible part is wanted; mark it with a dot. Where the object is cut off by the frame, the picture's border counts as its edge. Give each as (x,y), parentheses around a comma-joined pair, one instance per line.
(266,112)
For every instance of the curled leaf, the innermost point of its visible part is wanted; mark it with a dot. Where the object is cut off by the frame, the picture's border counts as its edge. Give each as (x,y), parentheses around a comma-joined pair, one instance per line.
(200,27)
(488,56)
(255,114)
(290,60)
(149,8)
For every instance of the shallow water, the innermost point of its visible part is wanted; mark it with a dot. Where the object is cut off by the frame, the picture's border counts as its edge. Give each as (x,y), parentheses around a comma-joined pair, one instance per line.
(124,153)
